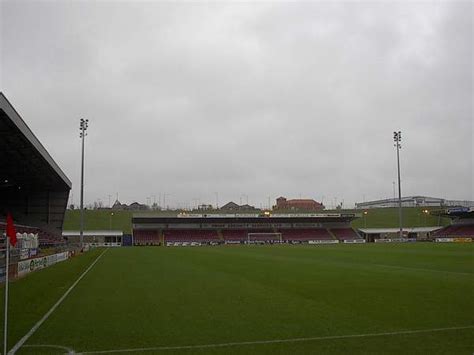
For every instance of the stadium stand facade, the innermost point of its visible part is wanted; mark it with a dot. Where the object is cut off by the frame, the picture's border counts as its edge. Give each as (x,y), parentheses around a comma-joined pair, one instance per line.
(242,228)
(32,186)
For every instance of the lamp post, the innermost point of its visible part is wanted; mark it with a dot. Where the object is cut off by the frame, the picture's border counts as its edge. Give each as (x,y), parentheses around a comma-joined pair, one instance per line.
(426,213)
(397,138)
(110,220)
(365,219)
(83,133)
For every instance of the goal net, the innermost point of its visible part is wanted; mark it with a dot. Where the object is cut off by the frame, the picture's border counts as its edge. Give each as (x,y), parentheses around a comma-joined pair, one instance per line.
(264,237)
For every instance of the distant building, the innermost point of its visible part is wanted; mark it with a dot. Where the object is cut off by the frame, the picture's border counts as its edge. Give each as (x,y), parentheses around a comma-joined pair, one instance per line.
(247,207)
(298,204)
(205,207)
(232,206)
(118,206)
(135,206)
(414,201)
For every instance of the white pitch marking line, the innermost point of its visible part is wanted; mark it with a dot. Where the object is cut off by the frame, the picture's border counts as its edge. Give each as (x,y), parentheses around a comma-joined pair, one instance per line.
(275,341)
(56,305)
(69,351)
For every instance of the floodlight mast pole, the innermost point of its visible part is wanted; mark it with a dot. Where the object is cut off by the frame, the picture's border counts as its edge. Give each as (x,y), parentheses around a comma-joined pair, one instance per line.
(82,128)
(397,137)
(5,320)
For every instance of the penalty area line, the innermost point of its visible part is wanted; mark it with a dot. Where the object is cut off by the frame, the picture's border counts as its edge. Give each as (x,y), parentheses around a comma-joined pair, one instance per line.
(56,305)
(276,341)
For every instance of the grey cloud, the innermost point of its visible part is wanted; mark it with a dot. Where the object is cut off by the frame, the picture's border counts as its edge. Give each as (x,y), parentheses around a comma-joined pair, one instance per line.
(262,99)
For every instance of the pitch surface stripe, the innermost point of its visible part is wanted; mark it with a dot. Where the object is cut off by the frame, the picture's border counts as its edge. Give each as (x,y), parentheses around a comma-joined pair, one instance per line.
(276,341)
(56,305)
(424,270)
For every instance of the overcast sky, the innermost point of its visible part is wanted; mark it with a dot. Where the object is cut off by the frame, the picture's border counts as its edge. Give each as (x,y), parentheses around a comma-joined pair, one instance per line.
(247,99)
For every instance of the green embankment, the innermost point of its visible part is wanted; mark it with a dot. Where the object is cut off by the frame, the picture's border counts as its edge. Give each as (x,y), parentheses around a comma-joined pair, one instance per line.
(99,220)
(388,218)
(375,218)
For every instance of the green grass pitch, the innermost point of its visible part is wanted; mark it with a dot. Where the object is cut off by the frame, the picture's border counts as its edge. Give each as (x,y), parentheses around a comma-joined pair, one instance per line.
(152,297)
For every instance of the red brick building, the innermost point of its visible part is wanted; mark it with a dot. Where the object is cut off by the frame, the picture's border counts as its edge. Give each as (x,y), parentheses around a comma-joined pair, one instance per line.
(298,204)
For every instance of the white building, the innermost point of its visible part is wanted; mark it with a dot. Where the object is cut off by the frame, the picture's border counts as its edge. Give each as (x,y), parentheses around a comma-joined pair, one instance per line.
(111,238)
(414,201)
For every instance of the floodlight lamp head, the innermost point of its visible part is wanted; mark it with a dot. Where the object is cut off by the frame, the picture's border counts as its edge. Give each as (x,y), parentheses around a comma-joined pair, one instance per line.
(83,124)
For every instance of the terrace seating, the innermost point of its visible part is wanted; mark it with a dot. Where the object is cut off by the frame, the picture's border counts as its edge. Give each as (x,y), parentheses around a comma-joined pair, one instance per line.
(191,235)
(146,237)
(455,231)
(267,236)
(48,240)
(234,235)
(442,232)
(345,233)
(242,235)
(45,239)
(305,234)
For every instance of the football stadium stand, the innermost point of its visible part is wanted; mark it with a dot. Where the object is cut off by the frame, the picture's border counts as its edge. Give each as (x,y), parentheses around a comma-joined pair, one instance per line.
(45,239)
(345,233)
(32,186)
(242,228)
(235,235)
(461,227)
(147,237)
(190,235)
(306,234)
(456,230)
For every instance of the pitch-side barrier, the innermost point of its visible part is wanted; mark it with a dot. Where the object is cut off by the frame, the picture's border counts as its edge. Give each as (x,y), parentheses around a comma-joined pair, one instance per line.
(30,265)
(395,240)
